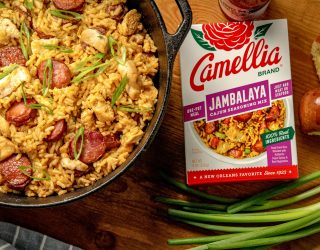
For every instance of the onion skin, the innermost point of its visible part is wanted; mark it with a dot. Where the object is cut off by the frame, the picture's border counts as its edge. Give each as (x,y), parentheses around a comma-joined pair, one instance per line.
(310,112)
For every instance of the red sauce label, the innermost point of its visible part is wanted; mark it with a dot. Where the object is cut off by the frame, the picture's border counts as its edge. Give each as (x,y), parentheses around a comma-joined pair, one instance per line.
(241,10)
(249,4)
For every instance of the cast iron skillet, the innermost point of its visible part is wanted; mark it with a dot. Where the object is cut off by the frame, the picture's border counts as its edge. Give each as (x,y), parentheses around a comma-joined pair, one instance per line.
(168,46)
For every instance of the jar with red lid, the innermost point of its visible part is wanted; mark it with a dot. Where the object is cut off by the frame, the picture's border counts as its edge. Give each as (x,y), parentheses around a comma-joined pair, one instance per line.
(240,10)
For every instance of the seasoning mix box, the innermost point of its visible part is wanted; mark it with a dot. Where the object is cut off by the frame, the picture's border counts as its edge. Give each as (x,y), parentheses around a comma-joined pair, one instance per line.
(237,102)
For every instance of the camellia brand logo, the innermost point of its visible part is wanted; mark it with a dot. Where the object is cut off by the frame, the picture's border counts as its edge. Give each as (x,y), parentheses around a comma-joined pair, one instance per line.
(231,36)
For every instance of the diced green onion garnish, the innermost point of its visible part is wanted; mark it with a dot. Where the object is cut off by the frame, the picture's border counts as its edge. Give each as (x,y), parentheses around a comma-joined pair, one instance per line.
(29,4)
(247,151)
(65,14)
(53,47)
(122,61)
(47,77)
(220,135)
(133,109)
(24,169)
(111,42)
(40,106)
(119,90)
(80,133)
(24,31)
(86,70)
(23,94)
(2,5)
(99,55)
(8,70)
(81,65)
(34,105)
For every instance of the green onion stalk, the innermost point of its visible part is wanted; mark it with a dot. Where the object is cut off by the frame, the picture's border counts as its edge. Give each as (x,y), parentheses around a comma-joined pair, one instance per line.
(262,217)
(269,204)
(294,223)
(269,231)
(220,228)
(265,195)
(247,244)
(25,33)
(196,192)
(262,242)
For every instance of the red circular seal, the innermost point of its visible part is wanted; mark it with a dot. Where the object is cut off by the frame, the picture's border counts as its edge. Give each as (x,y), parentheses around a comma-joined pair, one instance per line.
(228,36)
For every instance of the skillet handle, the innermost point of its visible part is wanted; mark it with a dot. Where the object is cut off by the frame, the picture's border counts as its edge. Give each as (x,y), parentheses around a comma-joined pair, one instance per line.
(174,41)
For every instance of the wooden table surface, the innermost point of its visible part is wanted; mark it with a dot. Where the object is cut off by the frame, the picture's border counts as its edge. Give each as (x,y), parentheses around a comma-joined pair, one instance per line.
(124,215)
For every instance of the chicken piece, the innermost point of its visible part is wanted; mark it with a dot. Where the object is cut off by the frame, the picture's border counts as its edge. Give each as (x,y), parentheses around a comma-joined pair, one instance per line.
(73,164)
(130,23)
(94,38)
(116,10)
(137,38)
(132,137)
(224,147)
(7,148)
(4,127)
(7,30)
(235,135)
(150,93)
(38,4)
(37,45)
(274,125)
(133,86)
(12,81)
(103,112)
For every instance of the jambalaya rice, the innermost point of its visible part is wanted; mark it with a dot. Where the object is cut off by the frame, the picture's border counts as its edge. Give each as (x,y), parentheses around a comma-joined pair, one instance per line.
(239,137)
(102,100)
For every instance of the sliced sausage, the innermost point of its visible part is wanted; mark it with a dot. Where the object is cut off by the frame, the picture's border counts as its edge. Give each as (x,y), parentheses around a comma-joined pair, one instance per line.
(235,153)
(61,74)
(14,177)
(226,120)
(210,127)
(258,146)
(112,141)
(243,117)
(59,128)
(214,142)
(94,146)
(73,5)
(19,114)
(11,55)
(273,114)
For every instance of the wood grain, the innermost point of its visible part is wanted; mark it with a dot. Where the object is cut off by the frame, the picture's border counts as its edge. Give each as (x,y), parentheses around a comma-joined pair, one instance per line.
(123,215)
